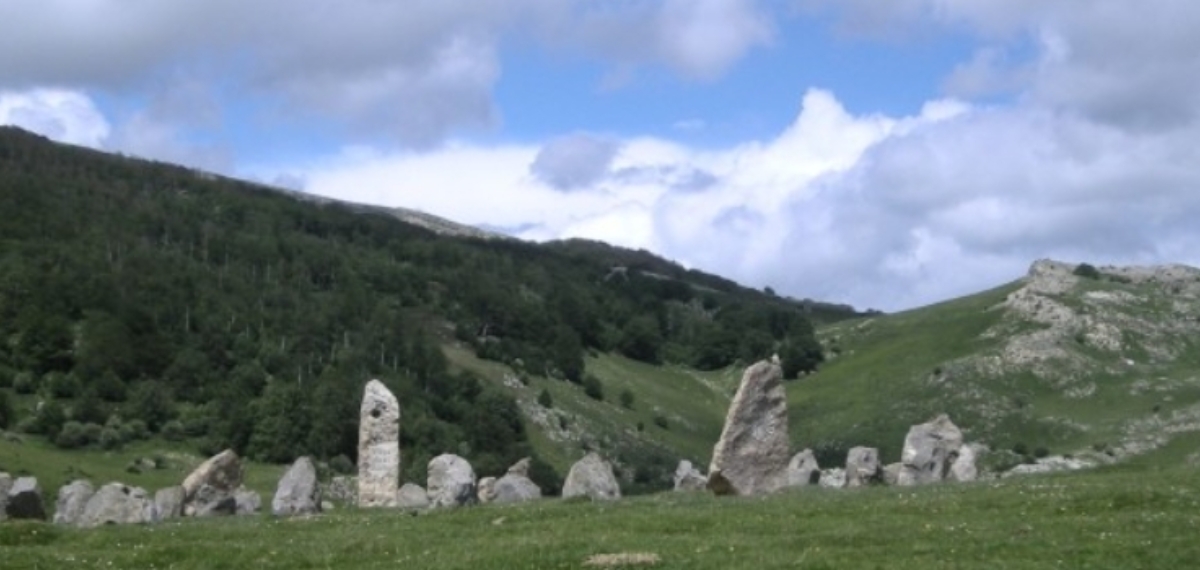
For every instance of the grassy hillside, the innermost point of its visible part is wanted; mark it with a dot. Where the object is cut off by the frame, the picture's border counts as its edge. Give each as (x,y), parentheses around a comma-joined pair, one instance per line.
(1056,363)
(1128,517)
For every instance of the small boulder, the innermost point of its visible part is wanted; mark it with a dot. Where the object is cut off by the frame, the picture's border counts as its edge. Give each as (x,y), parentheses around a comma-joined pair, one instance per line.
(168,502)
(803,470)
(25,500)
(117,503)
(591,477)
(208,489)
(964,468)
(513,488)
(412,496)
(298,492)
(833,478)
(891,473)
(688,478)
(751,456)
(487,490)
(862,467)
(72,499)
(929,451)
(246,502)
(451,481)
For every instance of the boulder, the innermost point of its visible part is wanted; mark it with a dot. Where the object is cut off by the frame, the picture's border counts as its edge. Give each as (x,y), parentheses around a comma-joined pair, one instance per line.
(72,498)
(513,488)
(891,473)
(6,482)
(929,451)
(803,470)
(412,496)
(451,482)
(964,468)
(833,478)
(168,502)
(208,489)
(688,478)
(487,490)
(25,500)
(117,503)
(591,477)
(752,455)
(342,489)
(298,492)
(862,467)
(378,447)
(521,467)
(246,502)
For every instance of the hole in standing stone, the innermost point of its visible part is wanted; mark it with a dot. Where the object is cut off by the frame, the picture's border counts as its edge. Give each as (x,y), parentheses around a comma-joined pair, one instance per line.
(376,413)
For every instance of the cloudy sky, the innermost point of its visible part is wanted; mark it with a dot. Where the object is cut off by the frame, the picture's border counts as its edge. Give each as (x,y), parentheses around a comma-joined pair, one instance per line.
(884,154)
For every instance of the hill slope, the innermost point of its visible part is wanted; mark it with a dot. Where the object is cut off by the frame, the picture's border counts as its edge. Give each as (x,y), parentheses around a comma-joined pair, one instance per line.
(1071,359)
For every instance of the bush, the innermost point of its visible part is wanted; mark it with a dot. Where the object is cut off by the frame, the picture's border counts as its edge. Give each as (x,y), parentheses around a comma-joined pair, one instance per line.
(24,383)
(6,376)
(1087,271)
(341,465)
(593,388)
(62,385)
(1020,448)
(544,399)
(73,435)
(1041,452)
(7,416)
(110,438)
(627,399)
(173,431)
(661,421)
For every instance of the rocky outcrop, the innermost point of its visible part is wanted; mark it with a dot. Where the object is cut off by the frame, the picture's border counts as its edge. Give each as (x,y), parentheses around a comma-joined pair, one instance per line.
(412,496)
(751,456)
(862,467)
(168,502)
(803,470)
(72,499)
(591,477)
(208,490)
(929,451)
(118,503)
(450,482)
(688,478)
(487,490)
(298,492)
(378,447)
(246,502)
(25,500)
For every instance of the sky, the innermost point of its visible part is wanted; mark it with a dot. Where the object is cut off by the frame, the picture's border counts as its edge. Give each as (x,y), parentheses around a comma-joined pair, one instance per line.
(883,154)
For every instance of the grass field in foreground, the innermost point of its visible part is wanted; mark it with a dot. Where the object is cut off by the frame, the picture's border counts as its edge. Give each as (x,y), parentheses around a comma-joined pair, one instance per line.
(1128,517)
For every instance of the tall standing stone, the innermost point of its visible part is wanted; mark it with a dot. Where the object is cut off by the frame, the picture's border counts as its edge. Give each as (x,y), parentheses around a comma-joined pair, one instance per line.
(378,447)
(298,492)
(929,451)
(751,457)
(862,467)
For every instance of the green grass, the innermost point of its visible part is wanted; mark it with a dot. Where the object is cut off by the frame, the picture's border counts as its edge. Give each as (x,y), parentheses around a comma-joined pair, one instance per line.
(1132,517)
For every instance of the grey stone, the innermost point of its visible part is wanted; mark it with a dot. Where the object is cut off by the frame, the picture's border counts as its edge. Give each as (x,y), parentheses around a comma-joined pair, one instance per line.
(688,478)
(72,499)
(487,490)
(929,451)
(891,473)
(833,478)
(25,500)
(412,496)
(118,503)
(513,488)
(964,468)
(246,502)
(752,455)
(862,467)
(591,477)
(208,489)
(450,482)
(803,470)
(298,492)
(378,447)
(342,489)
(168,502)
(521,467)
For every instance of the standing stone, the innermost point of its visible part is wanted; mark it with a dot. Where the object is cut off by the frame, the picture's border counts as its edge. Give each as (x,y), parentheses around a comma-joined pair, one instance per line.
(862,467)
(72,498)
(487,490)
(451,481)
(751,457)
(412,496)
(516,486)
(378,447)
(117,503)
(891,473)
(169,502)
(208,489)
(964,468)
(25,500)
(688,478)
(929,451)
(298,492)
(521,467)
(343,489)
(6,482)
(591,477)
(246,502)
(803,470)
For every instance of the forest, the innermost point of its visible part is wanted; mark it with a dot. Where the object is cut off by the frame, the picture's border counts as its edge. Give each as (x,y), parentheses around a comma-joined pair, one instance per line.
(143,299)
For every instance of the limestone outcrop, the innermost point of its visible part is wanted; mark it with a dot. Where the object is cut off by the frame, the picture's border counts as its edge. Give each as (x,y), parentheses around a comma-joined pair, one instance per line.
(751,457)
(378,447)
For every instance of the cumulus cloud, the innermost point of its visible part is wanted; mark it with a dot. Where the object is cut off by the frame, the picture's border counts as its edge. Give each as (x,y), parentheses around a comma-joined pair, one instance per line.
(574,161)
(62,115)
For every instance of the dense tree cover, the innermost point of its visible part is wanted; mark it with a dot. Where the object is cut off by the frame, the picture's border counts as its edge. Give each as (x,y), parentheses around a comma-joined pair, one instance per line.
(236,315)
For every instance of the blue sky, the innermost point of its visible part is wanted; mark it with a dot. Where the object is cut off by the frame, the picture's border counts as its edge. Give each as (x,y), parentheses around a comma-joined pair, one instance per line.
(882,154)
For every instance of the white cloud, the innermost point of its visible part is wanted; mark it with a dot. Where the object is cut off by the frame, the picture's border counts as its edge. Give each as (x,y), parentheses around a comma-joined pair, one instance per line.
(62,115)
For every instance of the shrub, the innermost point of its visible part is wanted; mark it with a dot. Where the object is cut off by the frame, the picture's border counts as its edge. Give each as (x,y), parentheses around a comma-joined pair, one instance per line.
(1020,448)
(593,388)
(62,385)
(661,421)
(110,438)
(73,435)
(341,465)
(627,399)
(1087,271)
(544,399)
(24,383)
(1041,452)
(173,431)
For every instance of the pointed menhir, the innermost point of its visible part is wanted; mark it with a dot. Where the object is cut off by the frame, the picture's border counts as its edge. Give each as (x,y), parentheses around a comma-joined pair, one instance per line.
(378,447)
(751,458)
